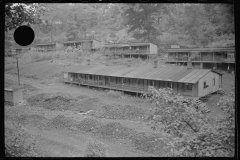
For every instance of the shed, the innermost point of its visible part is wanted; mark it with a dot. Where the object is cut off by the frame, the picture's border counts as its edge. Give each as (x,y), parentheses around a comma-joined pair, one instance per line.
(13,94)
(184,80)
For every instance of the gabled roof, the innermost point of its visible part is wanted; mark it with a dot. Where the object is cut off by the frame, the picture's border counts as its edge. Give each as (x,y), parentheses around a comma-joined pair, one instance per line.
(83,40)
(163,73)
(43,44)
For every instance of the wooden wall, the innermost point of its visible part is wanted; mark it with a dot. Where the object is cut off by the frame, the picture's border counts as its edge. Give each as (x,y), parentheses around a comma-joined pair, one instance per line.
(208,78)
(135,84)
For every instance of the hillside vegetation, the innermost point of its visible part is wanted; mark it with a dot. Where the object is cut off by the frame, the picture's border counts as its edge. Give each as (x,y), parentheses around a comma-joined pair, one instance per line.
(189,25)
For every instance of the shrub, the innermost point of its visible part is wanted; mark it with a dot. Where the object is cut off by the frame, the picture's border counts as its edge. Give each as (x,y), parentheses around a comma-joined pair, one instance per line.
(95,149)
(187,131)
(35,57)
(18,143)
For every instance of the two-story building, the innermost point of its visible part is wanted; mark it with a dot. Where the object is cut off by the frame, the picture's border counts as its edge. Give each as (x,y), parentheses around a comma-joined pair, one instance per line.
(125,50)
(203,57)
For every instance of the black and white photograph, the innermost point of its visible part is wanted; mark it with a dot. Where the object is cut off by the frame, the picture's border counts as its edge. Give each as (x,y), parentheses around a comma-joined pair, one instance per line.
(119,80)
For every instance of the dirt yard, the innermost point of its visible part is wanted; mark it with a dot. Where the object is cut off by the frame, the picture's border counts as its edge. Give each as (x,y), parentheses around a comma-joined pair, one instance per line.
(64,120)
(59,120)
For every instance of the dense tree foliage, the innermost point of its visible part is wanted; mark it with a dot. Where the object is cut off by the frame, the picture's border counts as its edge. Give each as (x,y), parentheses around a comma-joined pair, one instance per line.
(187,131)
(189,25)
(18,13)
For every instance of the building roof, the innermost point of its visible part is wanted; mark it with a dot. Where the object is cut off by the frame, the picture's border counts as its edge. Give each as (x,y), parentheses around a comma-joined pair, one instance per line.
(83,40)
(43,44)
(127,44)
(13,87)
(226,49)
(163,73)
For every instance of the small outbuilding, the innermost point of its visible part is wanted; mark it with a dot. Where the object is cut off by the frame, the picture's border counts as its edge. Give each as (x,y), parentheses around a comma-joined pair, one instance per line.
(13,94)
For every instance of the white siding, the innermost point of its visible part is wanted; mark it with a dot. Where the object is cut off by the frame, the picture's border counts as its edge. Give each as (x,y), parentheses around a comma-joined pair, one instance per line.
(153,49)
(208,78)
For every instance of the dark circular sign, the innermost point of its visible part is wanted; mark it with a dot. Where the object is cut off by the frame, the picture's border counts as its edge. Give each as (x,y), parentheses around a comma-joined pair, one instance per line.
(24,35)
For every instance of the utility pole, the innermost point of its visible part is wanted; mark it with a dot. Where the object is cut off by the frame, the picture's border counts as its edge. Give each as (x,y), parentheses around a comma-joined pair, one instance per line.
(17,69)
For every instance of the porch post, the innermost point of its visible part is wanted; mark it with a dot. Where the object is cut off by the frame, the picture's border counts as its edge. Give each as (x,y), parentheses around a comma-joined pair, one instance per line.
(193,86)
(88,81)
(213,56)
(122,84)
(98,80)
(137,86)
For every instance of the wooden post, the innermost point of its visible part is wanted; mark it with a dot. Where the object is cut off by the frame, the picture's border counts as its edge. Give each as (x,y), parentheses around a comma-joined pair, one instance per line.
(137,86)
(213,56)
(88,81)
(122,84)
(98,80)
(18,69)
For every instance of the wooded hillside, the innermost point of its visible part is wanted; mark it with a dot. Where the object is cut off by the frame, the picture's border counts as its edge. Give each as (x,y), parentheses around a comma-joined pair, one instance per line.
(189,25)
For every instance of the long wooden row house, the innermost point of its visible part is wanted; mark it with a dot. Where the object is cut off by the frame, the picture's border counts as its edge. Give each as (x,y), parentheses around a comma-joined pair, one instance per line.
(203,57)
(86,45)
(139,49)
(187,81)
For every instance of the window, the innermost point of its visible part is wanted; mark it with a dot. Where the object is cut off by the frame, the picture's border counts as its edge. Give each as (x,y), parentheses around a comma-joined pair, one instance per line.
(205,85)
(100,77)
(189,86)
(90,77)
(214,82)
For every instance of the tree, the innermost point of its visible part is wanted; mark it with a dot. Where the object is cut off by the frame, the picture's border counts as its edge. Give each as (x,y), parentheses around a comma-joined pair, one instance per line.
(72,30)
(18,13)
(187,130)
(140,19)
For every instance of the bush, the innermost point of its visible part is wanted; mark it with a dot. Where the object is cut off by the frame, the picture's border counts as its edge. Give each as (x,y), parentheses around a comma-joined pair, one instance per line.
(18,143)
(95,149)
(187,131)
(114,94)
(35,57)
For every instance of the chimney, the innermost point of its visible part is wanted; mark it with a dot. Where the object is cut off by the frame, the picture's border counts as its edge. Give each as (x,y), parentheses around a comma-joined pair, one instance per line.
(88,61)
(156,63)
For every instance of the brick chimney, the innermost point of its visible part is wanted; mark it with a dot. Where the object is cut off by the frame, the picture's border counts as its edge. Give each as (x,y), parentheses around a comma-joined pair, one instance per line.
(156,63)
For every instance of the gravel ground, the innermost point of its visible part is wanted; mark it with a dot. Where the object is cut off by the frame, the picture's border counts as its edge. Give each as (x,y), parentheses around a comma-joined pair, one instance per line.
(58,101)
(60,122)
(117,111)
